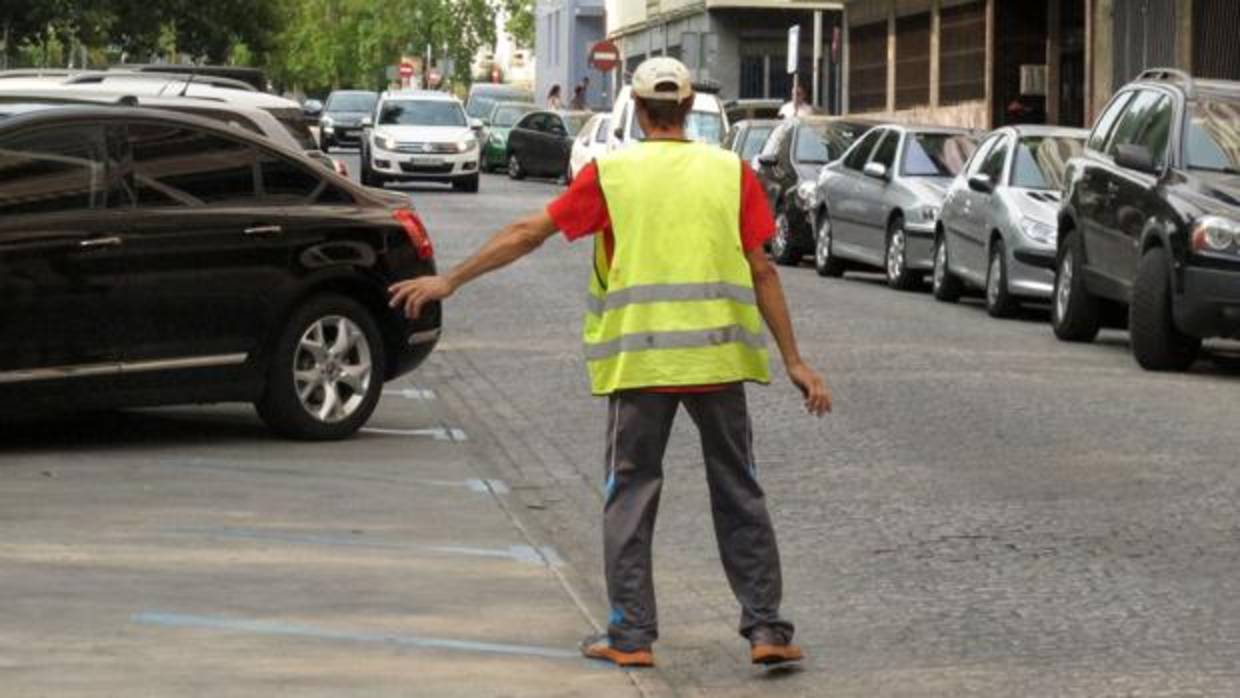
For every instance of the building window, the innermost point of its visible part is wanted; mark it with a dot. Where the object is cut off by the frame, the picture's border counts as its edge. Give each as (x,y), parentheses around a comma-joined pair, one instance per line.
(753,80)
(867,67)
(962,53)
(913,61)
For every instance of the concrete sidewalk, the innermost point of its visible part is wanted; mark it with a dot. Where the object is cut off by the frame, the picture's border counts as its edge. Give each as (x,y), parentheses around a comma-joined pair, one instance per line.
(187,552)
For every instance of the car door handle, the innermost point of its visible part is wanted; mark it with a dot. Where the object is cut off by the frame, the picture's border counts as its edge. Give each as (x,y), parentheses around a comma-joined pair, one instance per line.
(106,241)
(264,230)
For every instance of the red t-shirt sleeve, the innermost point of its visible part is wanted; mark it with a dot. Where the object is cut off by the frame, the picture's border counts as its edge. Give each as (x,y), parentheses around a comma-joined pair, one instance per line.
(581,211)
(757,223)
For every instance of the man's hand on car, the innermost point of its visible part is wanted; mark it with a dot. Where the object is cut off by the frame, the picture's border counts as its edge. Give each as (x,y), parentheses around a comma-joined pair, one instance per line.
(415,293)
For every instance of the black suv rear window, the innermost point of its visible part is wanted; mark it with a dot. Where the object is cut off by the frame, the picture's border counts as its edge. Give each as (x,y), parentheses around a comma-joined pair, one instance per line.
(1212,137)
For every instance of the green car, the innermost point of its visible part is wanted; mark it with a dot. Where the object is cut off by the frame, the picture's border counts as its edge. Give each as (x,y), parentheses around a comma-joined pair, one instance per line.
(503,117)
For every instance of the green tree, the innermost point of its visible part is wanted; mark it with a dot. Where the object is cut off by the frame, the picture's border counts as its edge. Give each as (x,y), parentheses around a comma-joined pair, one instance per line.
(520,22)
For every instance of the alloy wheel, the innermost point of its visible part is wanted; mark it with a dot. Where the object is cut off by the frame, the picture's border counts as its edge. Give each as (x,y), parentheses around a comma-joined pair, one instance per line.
(332,369)
(822,245)
(895,253)
(1063,286)
(514,167)
(993,280)
(779,244)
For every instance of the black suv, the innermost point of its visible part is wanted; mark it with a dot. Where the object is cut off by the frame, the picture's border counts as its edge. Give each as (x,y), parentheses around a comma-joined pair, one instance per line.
(152,258)
(1151,220)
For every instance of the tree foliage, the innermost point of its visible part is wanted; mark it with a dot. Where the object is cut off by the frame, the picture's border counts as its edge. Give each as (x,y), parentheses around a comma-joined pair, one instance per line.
(520,23)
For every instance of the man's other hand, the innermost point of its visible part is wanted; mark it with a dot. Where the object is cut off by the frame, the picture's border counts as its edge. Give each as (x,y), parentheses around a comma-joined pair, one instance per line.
(813,388)
(413,294)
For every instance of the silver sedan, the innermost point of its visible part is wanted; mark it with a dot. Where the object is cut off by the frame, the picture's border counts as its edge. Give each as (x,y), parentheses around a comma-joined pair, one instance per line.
(999,222)
(880,201)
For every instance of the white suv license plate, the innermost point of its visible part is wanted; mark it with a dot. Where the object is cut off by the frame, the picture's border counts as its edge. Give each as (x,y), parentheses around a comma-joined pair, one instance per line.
(426,162)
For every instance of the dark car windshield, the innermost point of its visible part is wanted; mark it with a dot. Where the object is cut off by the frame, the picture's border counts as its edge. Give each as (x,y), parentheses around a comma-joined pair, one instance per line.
(818,144)
(421,112)
(354,102)
(755,138)
(936,154)
(483,101)
(1040,161)
(507,116)
(1212,141)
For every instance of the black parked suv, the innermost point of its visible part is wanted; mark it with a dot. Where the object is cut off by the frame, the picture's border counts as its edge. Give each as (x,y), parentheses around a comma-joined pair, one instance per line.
(1151,220)
(152,258)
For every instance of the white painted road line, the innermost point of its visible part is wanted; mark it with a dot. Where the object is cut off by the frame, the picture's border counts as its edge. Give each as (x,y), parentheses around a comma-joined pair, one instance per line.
(411,393)
(436,433)
(280,628)
(544,556)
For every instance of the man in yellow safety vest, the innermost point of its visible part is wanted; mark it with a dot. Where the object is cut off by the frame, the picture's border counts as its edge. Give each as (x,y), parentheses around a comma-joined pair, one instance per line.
(678,295)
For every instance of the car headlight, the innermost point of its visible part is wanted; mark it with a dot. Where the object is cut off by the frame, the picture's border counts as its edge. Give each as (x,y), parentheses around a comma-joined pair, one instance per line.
(926,214)
(466,145)
(1216,234)
(497,139)
(327,123)
(385,142)
(807,195)
(1038,231)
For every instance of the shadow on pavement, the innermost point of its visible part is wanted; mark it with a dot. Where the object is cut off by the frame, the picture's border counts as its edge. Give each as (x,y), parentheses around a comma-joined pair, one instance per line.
(127,429)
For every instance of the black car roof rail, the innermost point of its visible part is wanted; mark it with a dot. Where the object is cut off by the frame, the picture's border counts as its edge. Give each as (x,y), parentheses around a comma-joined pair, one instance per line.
(1170,75)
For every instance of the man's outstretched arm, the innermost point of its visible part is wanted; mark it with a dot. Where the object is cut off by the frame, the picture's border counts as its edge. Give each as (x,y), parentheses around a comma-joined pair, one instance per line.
(507,246)
(774,309)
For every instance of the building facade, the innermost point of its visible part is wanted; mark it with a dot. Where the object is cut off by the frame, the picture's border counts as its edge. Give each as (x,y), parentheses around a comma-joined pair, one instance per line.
(564,31)
(742,45)
(984,63)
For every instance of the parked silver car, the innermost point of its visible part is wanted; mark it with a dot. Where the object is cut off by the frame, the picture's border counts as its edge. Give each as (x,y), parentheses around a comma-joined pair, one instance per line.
(879,203)
(998,227)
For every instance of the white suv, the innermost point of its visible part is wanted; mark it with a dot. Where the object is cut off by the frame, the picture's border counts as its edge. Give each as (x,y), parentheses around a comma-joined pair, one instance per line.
(420,136)
(706,123)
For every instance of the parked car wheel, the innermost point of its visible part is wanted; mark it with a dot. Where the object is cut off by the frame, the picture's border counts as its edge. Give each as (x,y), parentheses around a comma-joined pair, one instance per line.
(783,251)
(999,302)
(1075,314)
(826,263)
(326,371)
(1156,342)
(946,285)
(469,184)
(898,275)
(514,167)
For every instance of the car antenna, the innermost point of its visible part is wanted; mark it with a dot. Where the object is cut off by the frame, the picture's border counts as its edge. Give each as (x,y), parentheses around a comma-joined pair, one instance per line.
(187,83)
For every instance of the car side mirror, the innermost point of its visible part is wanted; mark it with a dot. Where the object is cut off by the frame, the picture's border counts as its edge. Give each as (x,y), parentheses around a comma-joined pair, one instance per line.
(476,124)
(981,183)
(1136,157)
(768,160)
(877,170)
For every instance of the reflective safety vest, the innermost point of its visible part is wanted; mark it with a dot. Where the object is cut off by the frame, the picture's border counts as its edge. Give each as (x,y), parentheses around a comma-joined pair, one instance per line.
(675,306)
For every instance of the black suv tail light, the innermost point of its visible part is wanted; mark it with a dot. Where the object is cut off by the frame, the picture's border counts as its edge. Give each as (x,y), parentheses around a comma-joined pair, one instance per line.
(412,224)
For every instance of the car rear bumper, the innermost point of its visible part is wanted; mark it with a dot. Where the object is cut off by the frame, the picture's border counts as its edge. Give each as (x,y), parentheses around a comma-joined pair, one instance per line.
(919,247)
(1031,272)
(1208,304)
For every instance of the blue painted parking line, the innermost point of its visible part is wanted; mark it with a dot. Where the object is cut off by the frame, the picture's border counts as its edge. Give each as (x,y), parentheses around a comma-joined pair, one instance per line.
(282,629)
(544,556)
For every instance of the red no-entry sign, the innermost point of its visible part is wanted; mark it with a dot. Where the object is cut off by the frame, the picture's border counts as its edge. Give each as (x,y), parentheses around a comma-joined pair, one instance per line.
(604,55)
(406,70)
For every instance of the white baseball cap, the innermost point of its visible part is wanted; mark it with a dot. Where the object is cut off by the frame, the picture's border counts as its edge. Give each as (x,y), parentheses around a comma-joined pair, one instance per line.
(663,78)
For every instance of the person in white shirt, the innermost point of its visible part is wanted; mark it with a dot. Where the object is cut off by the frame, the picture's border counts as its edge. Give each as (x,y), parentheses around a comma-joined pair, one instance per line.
(799,106)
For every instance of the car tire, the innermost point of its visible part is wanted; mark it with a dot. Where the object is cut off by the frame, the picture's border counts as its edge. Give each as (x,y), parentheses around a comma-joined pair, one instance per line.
(783,250)
(895,259)
(1000,303)
(469,185)
(308,395)
(825,261)
(1157,344)
(946,286)
(515,170)
(1075,313)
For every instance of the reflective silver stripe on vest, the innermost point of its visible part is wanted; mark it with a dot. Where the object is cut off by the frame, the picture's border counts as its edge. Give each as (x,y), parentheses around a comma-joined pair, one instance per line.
(660,293)
(680,339)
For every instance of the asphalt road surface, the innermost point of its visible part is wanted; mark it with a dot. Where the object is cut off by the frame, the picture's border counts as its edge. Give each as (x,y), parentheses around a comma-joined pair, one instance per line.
(988,512)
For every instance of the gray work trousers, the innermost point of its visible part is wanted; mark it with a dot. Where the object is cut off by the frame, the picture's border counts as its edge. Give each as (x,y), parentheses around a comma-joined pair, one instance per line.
(639,423)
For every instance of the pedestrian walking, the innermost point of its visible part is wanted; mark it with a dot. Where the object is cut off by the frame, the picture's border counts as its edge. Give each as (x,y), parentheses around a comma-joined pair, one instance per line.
(553,97)
(678,295)
(579,98)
